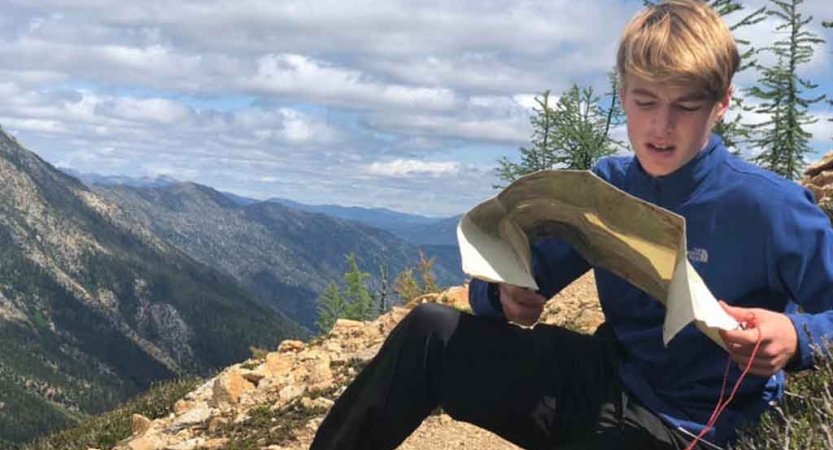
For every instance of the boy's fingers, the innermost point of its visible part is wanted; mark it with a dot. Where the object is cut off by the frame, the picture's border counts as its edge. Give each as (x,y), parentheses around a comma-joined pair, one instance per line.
(525,297)
(530,300)
(737,313)
(740,337)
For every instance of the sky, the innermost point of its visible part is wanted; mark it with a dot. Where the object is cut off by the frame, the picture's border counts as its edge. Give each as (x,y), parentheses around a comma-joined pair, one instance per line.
(401,104)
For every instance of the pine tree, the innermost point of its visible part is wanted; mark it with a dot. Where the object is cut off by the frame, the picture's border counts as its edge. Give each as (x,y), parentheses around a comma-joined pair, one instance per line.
(541,155)
(782,139)
(381,296)
(359,302)
(405,286)
(828,24)
(425,267)
(331,307)
(582,129)
(572,134)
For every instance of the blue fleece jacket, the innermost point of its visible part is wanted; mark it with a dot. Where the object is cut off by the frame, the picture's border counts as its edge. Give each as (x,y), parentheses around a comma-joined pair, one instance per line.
(756,239)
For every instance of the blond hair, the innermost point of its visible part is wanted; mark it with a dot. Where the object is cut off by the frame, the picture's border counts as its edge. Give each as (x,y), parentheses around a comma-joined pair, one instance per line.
(682,42)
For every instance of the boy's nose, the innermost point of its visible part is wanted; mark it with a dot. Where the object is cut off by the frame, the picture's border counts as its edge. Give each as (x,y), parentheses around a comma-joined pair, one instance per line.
(662,120)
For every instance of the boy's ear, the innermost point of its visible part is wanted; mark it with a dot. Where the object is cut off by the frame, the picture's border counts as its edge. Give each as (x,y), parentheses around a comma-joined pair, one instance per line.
(723,104)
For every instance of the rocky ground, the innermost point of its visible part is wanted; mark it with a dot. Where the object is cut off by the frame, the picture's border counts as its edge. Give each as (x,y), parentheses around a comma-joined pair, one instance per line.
(819,179)
(277,401)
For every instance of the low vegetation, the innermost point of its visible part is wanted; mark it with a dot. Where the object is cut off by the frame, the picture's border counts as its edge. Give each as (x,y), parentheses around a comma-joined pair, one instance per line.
(105,430)
(804,420)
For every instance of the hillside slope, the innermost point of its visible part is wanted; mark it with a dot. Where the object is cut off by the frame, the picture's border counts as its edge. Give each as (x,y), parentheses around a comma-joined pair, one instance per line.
(286,256)
(93,310)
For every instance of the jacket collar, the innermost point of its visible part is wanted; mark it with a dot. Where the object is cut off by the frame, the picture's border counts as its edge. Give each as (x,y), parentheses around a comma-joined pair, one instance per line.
(671,190)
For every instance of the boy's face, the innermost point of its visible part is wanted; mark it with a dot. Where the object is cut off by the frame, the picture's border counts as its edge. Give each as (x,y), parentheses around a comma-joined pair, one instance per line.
(668,125)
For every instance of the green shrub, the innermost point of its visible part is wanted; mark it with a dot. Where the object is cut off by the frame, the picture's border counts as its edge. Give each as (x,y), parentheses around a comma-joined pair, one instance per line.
(803,420)
(105,430)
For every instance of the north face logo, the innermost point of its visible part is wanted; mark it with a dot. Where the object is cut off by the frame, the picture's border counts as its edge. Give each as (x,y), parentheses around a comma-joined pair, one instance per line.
(699,255)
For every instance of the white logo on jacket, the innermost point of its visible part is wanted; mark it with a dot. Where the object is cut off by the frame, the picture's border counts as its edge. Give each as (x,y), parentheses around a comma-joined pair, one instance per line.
(699,255)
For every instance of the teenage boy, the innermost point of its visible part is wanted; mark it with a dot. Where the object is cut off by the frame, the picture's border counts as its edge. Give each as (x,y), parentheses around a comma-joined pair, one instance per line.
(757,240)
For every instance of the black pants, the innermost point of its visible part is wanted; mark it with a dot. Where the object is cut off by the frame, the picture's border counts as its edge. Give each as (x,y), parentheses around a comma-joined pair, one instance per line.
(540,388)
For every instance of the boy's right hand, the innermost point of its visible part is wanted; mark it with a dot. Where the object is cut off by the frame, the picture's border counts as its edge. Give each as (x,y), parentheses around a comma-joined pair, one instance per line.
(520,305)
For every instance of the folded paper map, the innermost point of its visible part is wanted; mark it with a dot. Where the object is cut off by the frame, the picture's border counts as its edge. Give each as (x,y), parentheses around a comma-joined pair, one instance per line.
(639,242)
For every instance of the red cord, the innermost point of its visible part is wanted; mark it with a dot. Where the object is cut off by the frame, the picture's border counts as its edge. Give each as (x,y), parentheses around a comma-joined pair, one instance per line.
(721,405)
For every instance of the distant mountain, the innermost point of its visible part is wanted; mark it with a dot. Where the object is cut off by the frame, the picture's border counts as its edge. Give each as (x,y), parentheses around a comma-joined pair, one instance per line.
(241,200)
(441,232)
(91,179)
(94,308)
(285,255)
(413,228)
(416,229)
(383,218)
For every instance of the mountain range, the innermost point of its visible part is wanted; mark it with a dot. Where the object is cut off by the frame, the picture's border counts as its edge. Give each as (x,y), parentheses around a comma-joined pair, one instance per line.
(109,286)
(94,309)
(413,228)
(285,256)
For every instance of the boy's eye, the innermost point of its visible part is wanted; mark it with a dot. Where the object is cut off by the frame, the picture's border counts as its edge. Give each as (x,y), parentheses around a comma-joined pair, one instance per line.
(688,107)
(644,104)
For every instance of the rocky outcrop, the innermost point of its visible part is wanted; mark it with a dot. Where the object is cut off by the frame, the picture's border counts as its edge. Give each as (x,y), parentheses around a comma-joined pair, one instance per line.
(819,179)
(296,378)
(278,401)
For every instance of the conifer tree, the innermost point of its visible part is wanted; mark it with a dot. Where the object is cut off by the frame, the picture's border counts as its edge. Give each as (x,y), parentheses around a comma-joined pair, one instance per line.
(331,307)
(359,302)
(572,134)
(541,155)
(425,267)
(583,129)
(828,24)
(405,286)
(381,296)
(782,138)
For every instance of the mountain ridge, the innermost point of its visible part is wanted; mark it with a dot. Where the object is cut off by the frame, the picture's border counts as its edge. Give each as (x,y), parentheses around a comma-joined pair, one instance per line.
(94,310)
(284,255)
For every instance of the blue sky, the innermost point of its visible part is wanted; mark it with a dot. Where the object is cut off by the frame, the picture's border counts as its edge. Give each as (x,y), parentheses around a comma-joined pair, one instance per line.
(399,104)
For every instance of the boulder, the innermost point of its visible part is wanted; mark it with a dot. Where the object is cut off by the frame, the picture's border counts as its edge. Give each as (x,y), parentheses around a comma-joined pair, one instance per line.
(228,387)
(819,180)
(139,424)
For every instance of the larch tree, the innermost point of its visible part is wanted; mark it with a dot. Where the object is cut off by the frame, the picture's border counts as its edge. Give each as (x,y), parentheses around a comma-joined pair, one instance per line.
(331,307)
(783,95)
(541,154)
(573,133)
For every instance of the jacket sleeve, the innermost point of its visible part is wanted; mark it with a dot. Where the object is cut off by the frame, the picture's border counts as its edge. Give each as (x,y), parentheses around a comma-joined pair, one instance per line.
(555,264)
(801,252)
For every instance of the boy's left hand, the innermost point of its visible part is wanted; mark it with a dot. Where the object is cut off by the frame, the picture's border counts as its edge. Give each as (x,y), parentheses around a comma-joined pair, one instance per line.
(779,341)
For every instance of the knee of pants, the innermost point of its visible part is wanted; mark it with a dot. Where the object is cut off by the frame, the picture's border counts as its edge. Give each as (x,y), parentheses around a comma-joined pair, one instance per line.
(434,320)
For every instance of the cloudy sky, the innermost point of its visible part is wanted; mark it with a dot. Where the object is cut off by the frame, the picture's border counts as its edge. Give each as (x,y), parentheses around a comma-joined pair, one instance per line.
(401,104)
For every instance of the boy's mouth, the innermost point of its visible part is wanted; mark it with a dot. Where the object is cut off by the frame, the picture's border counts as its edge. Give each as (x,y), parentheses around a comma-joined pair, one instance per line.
(660,148)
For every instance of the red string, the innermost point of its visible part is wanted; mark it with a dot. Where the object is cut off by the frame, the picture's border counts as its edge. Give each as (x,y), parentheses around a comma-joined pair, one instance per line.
(721,405)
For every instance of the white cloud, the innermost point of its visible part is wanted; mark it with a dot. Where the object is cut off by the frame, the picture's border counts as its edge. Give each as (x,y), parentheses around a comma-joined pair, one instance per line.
(823,129)
(297,75)
(154,110)
(526,100)
(35,125)
(412,167)
(503,131)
